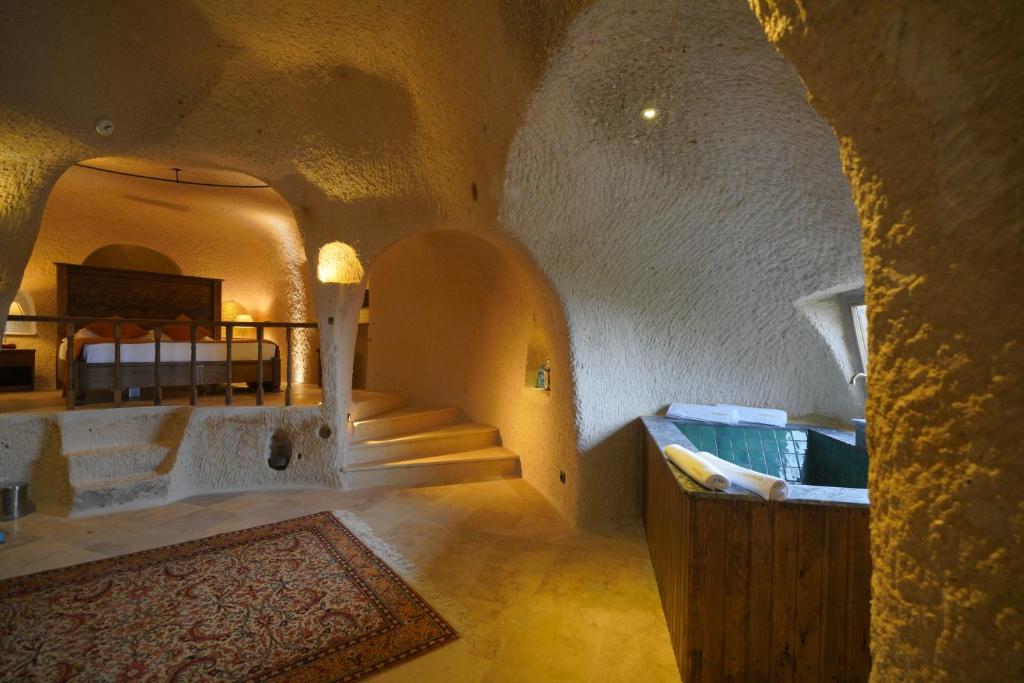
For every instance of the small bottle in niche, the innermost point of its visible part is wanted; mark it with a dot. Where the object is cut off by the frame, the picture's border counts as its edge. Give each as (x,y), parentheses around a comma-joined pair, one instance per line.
(544,375)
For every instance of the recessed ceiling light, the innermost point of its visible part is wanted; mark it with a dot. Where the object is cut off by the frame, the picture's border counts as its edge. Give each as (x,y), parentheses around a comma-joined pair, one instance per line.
(650,113)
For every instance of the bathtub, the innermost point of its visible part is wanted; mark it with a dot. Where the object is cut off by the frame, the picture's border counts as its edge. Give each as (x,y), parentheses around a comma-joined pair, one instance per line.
(758,590)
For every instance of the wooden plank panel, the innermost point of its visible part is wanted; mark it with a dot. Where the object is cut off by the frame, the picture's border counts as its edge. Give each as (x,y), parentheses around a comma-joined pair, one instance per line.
(694,578)
(736,613)
(117,364)
(70,385)
(192,391)
(762,591)
(785,551)
(809,603)
(858,655)
(711,542)
(158,333)
(685,568)
(835,597)
(259,365)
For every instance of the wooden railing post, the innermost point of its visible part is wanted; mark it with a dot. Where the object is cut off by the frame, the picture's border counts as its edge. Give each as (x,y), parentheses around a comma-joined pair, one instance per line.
(259,365)
(192,391)
(288,367)
(228,395)
(69,369)
(158,332)
(117,364)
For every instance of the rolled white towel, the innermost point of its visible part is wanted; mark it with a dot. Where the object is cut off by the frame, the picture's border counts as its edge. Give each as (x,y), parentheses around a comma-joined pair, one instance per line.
(698,468)
(764,485)
(760,416)
(702,413)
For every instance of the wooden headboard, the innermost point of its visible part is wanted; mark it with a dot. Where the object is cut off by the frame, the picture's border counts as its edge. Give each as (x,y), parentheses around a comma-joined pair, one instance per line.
(103,292)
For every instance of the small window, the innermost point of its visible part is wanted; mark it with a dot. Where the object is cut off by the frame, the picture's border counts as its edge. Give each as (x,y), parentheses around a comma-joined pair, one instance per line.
(859,312)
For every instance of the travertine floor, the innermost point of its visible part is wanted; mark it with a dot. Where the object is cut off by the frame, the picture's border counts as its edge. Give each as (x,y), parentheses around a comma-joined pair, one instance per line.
(538,601)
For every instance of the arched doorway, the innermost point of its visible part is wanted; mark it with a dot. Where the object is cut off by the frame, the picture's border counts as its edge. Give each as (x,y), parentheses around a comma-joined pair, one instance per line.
(154,216)
(459,319)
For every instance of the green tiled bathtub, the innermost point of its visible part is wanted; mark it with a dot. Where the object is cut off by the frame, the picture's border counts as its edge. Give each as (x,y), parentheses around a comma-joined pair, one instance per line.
(798,455)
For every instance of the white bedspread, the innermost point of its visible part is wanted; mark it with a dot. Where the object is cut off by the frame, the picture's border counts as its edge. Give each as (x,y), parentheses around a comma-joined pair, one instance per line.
(174,352)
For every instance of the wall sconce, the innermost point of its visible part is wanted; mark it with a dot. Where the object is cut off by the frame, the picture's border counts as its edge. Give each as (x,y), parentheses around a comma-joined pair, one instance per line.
(339,263)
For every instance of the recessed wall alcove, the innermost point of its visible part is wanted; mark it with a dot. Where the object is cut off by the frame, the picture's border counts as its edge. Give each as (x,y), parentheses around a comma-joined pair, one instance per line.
(131,214)
(463,320)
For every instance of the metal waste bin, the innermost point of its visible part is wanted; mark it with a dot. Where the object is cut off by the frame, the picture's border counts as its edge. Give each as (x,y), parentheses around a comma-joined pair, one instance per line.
(15,501)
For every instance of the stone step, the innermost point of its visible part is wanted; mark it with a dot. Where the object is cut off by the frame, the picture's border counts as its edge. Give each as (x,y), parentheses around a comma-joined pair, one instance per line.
(403,421)
(113,462)
(135,491)
(449,468)
(366,404)
(92,429)
(453,438)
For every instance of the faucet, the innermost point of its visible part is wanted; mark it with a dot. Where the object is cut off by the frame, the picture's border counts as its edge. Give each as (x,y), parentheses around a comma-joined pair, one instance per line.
(856,376)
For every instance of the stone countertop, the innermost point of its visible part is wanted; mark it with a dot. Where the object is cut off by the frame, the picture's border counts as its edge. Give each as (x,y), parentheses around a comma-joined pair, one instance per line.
(664,433)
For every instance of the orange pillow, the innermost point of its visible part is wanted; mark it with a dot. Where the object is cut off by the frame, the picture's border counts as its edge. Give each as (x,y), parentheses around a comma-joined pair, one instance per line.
(106,330)
(181,333)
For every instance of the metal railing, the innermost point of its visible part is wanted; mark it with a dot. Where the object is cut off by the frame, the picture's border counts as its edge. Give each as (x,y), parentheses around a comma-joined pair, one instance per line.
(73,323)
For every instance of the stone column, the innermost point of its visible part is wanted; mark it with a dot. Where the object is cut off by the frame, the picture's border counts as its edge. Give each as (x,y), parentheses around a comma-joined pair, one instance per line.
(925,99)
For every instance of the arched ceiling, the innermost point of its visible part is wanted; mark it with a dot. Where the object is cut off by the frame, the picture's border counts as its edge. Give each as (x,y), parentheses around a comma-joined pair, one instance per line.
(362,99)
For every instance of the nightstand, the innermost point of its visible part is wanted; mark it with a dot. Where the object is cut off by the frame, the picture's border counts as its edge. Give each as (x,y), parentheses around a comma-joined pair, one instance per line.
(17,370)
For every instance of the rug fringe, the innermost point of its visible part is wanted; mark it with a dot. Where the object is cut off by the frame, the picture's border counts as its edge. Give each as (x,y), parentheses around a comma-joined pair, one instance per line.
(445,605)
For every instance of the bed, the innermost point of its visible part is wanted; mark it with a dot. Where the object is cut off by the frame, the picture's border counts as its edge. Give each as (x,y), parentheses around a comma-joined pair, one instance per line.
(99,293)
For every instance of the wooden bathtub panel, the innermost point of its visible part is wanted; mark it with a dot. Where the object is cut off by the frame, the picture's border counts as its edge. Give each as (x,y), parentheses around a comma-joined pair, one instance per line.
(783,588)
(737,610)
(810,616)
(858,656)
(759,653)
(757,591)
(837,568)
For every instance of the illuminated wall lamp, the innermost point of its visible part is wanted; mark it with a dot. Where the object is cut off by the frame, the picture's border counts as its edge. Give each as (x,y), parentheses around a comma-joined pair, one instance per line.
(244,332)
(338,263)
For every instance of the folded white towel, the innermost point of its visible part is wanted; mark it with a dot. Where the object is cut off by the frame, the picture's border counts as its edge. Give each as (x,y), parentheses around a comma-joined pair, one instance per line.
(764,485)
(703,413)
(698,468)
(761,416)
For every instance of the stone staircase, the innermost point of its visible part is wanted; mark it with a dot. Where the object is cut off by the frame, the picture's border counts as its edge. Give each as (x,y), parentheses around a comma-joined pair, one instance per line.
(121,459)
(397,445)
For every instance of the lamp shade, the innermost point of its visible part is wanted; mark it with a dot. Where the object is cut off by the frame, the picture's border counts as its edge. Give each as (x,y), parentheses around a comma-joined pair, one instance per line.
(21,305)
(244,332)
(230,310)
(339,263)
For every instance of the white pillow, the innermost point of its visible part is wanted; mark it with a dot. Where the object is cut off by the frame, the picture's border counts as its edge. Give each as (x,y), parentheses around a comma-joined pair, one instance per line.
(85,333)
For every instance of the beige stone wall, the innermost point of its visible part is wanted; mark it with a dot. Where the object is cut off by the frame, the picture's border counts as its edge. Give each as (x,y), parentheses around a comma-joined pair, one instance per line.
(681,247)
(925,99)
(457,319)
(373,120)
(247,237)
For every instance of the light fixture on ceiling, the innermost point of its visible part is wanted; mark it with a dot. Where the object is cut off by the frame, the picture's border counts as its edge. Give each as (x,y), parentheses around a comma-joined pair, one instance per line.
(649,113)
(104,127)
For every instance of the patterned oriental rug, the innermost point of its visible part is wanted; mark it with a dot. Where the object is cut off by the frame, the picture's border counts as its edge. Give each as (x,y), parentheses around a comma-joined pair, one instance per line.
(299,600)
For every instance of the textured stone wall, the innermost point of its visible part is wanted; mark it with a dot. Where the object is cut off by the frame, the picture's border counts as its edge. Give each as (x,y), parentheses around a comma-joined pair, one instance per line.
(457,319)
(681,246)
(925,99)
(373,120)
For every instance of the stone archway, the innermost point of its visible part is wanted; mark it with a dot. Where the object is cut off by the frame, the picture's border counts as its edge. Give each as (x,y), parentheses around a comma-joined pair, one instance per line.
(245,236)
